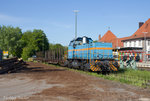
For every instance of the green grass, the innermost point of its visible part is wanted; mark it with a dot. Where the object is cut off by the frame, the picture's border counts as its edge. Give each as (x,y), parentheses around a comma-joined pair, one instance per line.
(127,76)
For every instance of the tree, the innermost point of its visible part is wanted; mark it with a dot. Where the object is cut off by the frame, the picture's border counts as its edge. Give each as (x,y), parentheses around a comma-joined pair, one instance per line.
(10,40)
(27,52)
(57,48)
(95,41)
(34,42)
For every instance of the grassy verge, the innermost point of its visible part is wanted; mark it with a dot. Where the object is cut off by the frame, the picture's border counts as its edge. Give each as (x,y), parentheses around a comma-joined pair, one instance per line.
(127,76)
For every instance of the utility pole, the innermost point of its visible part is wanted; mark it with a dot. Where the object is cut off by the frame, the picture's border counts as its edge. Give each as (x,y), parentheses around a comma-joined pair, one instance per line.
(145,58)
(76,12)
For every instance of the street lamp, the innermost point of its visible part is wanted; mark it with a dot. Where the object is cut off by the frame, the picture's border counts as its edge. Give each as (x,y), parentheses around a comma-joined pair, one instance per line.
(145,58)
(76,11)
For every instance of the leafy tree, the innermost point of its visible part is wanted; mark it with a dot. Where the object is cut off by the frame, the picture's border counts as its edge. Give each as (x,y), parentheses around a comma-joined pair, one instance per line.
(58,47)
(34,42)
(10,40)
(27,52)
(55,46)
(95,41)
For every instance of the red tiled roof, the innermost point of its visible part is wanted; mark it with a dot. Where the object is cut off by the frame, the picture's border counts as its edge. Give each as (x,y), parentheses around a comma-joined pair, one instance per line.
(108,37)
(111,38)
(118,42)
(139,33)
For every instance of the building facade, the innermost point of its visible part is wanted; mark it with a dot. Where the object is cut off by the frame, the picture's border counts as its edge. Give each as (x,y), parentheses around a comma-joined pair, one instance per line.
(140,39)
(139,42)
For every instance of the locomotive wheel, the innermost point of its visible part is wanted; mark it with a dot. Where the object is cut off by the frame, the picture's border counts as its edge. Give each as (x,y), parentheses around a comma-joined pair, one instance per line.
(66,63)
(98,72)
(85,69)
(81,67)
(104,72)
(69,65)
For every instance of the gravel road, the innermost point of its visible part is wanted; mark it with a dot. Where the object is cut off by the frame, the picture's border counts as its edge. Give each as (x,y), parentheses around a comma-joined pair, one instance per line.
(39,82)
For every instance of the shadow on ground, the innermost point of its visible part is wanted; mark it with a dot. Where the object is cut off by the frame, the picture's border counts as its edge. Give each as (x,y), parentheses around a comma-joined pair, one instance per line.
(27,69)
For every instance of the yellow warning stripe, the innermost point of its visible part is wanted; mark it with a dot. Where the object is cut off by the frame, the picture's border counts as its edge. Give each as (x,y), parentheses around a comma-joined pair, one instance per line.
(95,68)
(94,48)
(91,66)
(113,67)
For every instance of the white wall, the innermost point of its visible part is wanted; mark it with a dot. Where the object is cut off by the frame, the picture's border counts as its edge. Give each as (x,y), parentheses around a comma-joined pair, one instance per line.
(133,43)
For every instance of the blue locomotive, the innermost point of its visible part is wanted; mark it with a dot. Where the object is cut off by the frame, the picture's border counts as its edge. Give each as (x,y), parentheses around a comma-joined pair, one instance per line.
(85,54)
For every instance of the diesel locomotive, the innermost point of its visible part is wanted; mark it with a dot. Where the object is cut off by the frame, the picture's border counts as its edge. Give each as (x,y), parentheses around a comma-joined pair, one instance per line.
(87,55)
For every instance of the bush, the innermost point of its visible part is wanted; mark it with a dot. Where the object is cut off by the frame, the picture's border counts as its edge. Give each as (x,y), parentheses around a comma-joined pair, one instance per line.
(27,52)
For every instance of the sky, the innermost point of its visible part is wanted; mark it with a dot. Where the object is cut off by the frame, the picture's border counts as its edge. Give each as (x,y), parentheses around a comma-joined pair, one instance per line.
(57,19)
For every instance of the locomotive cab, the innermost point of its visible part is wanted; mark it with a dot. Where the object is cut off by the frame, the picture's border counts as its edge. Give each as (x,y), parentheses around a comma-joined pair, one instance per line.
(80,41)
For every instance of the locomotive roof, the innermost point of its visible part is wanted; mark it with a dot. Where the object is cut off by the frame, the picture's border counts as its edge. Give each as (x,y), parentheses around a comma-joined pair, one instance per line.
(80,39)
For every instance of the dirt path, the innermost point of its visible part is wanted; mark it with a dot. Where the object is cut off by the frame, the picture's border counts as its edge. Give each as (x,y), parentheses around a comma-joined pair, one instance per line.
(39,82)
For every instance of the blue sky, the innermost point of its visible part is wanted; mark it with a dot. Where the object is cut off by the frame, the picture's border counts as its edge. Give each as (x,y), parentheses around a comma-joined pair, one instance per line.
(56,17)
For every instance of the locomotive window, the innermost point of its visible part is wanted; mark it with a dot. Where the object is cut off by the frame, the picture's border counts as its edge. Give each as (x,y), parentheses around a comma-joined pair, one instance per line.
(78,42)
(71,43)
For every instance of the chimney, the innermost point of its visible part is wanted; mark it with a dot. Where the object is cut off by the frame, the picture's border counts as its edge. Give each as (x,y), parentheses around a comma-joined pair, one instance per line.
(140,24)
(99,38)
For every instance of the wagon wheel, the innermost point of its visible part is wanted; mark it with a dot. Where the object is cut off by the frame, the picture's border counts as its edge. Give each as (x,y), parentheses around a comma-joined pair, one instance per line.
(69,65)
(85,69)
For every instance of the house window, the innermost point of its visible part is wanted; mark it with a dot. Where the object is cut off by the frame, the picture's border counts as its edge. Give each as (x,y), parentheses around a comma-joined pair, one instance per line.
(134,43)
(149,42)
(130,44)
(125,44)
(140,42)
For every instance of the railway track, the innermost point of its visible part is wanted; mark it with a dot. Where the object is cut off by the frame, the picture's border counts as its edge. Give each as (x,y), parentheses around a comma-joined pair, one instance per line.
(60,63)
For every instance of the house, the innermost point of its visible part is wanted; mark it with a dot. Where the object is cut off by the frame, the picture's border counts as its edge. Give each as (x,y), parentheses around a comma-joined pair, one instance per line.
(140,39)
(136,44)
